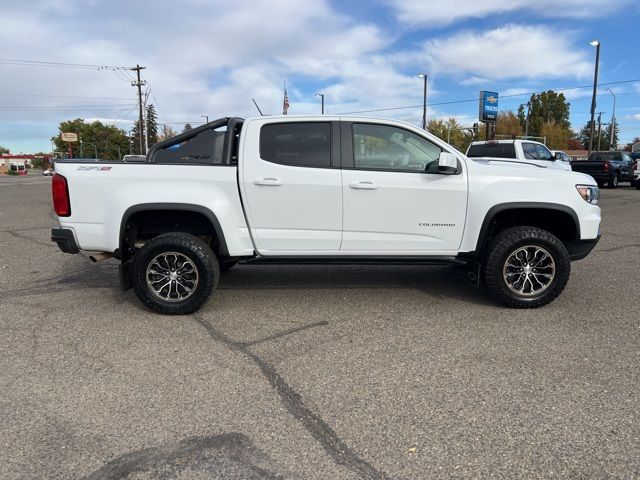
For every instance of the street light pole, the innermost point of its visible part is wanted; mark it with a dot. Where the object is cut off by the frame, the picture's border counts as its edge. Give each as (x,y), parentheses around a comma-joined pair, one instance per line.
(596,44)
(424,101)
(321,95)
(613,120)
(206,117)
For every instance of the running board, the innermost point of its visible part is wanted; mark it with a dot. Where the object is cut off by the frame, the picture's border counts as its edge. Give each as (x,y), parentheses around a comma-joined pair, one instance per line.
(354,260)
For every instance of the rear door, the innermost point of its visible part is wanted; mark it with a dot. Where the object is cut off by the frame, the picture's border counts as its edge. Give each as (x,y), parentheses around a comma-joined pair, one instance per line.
(292,185)
(395,201)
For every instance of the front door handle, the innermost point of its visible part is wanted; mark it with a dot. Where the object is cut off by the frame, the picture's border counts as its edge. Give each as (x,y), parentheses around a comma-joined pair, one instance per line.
(363,185)
(267,182)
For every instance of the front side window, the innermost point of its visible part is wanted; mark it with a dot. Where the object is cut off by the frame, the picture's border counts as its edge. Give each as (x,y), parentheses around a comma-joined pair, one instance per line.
(543,152)
(529,150)
(383,147)
(297,144)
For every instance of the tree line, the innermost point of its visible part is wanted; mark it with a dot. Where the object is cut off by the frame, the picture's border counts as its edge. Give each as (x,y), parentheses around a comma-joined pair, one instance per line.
(109,142)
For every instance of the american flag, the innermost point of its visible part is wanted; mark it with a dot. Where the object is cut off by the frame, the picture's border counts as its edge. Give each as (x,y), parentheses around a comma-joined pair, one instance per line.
(285,101)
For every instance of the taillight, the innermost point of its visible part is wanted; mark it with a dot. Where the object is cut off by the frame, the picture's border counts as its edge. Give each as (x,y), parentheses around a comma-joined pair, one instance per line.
(60,192)
(606,167)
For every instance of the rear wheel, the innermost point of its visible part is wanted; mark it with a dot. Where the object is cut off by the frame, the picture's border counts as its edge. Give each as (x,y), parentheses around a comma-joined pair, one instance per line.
(526,267)
(175,273)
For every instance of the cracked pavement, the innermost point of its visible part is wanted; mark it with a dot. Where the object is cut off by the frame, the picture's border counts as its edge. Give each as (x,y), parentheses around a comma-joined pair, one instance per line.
(314,372)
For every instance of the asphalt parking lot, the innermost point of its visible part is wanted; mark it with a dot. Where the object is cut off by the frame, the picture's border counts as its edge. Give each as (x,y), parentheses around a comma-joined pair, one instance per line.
(315,372)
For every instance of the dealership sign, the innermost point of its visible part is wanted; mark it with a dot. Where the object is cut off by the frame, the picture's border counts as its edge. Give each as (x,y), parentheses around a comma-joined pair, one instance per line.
(488,107)
(69,137)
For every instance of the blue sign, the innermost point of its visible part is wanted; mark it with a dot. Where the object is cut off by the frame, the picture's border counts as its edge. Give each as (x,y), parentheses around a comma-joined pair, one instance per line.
(488,107)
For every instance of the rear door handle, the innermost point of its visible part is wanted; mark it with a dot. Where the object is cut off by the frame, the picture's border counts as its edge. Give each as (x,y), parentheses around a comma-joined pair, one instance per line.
(363,185)
(267,182)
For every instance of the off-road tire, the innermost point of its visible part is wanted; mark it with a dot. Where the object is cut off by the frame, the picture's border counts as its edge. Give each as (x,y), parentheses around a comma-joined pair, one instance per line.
(197,251)
(502,247)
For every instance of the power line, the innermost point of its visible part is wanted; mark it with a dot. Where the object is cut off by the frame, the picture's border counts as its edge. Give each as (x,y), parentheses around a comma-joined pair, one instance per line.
(61,96)
(66,107)
(39,63)
(475,99)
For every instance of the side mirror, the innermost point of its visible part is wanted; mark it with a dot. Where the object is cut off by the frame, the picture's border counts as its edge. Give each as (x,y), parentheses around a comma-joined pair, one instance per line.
(447,163)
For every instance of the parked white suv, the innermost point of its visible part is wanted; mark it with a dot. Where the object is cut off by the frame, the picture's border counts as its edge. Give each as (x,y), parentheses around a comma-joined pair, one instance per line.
(322,189)
(524,151)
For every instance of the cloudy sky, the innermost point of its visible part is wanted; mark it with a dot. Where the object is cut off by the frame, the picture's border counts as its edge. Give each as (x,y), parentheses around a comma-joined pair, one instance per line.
(210,57)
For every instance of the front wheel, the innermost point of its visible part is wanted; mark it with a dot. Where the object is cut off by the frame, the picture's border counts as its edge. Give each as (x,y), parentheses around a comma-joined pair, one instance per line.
(175,273)
(526,267)
(614,181)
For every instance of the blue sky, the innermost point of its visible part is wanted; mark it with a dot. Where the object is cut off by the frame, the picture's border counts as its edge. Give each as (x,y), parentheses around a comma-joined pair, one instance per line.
(210,57)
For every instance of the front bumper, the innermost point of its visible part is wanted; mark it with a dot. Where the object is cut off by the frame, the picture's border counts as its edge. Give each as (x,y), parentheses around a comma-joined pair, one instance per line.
(65,240)
(579,249)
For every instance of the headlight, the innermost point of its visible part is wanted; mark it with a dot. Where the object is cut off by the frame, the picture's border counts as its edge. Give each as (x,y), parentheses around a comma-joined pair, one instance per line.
(589,193)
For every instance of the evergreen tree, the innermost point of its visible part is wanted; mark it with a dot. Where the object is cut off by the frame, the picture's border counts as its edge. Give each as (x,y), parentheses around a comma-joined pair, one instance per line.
(187,127)
(152,125)
(545,107)
(583,137)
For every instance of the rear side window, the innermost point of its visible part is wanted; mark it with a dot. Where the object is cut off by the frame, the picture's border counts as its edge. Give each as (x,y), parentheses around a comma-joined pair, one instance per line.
(297,144)
(205,148)
(529,150)
(604,156)
(497,150)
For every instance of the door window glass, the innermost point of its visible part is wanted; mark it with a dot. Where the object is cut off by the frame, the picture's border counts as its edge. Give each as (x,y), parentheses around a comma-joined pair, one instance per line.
(383,147)
(543,152)
(529,150)
(297,144)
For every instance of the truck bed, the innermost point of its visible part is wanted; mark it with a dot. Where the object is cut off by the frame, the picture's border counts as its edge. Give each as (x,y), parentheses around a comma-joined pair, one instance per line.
(102,192)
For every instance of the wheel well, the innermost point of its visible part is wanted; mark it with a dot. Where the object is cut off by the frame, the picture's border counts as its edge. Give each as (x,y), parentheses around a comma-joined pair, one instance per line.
(558,222)
(142,225)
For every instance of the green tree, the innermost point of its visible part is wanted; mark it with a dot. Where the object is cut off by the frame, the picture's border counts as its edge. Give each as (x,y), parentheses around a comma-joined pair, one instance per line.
(4,150)
(187,127)
(110,141)
(583,137)
(452,132)
(152,125)
(547,106)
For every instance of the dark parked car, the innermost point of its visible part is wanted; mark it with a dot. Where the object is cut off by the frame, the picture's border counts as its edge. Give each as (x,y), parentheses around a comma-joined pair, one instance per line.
(607,167)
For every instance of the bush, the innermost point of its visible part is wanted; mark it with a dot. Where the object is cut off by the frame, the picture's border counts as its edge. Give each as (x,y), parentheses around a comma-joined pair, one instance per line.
(11,172)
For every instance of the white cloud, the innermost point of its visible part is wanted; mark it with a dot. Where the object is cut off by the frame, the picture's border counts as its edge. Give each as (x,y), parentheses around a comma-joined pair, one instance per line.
(442,12)
(511,51)
(635,117)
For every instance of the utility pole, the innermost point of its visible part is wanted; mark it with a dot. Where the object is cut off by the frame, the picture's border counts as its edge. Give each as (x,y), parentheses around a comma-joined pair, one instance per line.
(596,44)
(424,100)
(526,120)
(599,128)
(139,83)
(613,121)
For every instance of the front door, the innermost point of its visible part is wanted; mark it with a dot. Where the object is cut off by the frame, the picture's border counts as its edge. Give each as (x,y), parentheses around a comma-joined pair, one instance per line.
(395,200)
(292,189)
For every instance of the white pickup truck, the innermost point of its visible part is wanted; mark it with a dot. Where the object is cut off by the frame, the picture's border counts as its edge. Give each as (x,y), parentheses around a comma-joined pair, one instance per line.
(522,151)
(322,189)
